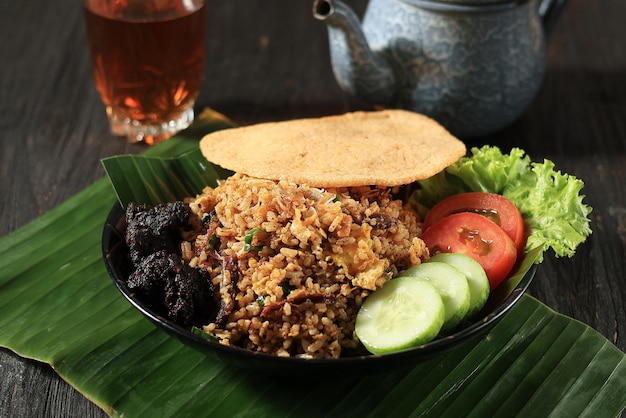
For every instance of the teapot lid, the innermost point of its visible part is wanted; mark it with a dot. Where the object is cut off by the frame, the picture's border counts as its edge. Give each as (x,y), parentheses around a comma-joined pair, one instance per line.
(473,2)
(466,5)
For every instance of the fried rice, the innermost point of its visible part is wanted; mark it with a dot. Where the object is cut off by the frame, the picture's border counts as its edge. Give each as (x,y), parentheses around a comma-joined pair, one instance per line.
(292,263)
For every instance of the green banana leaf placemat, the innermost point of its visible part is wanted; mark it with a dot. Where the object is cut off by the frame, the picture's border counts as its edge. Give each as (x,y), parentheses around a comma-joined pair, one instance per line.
(59,306)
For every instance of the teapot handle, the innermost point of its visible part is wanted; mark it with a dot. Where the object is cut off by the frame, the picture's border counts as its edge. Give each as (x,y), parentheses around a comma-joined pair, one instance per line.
(550,11)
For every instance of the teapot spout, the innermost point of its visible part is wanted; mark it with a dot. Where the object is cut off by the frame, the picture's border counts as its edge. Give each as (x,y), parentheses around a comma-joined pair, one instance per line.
(357,69)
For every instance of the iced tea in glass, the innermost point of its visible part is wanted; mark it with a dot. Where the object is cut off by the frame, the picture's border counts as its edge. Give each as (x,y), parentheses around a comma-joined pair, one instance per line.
(148,62)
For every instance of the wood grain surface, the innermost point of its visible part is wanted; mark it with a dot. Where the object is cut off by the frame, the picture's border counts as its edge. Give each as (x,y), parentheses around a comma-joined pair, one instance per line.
(268,60)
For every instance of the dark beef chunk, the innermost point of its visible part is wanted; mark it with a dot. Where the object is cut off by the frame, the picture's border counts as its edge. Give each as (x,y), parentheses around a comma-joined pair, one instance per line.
(161,279)
(182,293)
(151,229)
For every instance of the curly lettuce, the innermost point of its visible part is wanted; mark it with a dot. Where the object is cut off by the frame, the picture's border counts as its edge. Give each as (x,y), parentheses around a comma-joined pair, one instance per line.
(550,201)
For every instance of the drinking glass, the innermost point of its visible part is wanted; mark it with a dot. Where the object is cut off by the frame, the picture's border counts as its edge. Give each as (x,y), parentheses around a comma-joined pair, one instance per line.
(147,59)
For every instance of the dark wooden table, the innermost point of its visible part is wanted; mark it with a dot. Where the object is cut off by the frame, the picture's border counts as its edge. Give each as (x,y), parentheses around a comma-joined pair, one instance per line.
(269,61)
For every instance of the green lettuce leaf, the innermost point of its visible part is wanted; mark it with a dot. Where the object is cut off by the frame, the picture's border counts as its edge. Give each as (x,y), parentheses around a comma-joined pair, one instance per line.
(550,201)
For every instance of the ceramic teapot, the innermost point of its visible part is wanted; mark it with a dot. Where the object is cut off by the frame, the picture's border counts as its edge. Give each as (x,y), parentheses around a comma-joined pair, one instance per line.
(474,66)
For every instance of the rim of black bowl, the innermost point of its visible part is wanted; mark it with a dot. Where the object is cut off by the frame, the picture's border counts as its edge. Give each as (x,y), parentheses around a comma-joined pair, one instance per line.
(113,242)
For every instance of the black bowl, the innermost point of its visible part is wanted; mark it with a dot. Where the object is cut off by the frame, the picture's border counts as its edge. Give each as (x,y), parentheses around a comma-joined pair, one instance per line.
(119,266)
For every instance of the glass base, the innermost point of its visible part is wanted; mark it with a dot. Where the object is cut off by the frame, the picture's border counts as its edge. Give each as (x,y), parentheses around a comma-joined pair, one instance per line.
(135,131)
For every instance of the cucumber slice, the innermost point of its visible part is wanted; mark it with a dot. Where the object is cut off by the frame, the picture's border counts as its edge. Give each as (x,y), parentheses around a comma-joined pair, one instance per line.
(405,312)
(476,278)
(452,286)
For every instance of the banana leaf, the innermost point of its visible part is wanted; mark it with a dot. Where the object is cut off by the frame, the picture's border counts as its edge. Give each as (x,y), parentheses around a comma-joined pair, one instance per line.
(59,306)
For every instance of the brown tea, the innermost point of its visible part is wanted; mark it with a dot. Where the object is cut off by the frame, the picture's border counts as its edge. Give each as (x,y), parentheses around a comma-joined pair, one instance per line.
(147,57)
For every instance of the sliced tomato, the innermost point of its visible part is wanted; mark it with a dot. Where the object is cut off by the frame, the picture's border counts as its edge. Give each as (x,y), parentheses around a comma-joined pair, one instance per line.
(496,207)
(478,237)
